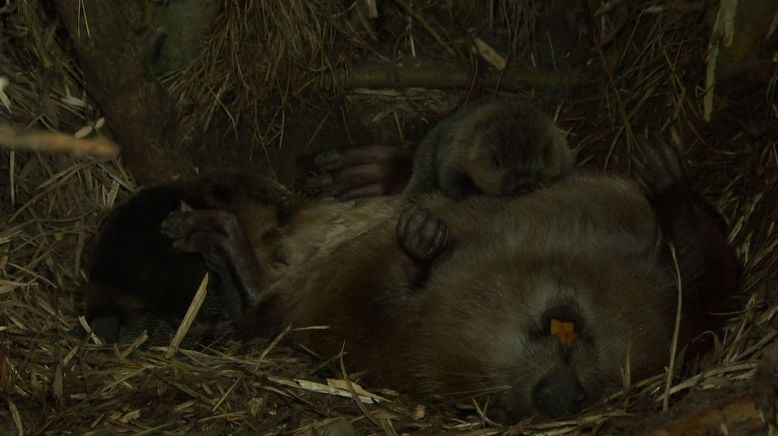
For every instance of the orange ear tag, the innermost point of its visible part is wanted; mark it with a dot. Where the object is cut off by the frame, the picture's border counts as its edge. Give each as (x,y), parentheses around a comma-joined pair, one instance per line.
(563,331)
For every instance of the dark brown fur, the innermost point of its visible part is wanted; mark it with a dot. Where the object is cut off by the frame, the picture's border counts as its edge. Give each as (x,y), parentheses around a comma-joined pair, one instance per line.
(138,280)
(474,322)
(495,148)
(476,327)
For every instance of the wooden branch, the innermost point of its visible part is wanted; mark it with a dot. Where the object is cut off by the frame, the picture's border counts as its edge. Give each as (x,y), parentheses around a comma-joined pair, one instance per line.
(112,46)
(430,28)
(53,142)
(737,416)
(445,75)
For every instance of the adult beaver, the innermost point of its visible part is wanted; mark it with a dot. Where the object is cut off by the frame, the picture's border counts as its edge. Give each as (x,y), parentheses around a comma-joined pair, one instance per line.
(537,302)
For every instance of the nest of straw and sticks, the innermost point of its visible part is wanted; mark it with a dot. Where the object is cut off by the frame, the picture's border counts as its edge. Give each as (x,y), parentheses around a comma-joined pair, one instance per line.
(270,56)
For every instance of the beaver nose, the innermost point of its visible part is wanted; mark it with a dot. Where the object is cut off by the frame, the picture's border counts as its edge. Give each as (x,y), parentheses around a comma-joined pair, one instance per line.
(559,394)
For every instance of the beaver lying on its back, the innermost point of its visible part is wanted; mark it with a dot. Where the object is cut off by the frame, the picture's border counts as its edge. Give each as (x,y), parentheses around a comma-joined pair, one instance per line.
(536,302)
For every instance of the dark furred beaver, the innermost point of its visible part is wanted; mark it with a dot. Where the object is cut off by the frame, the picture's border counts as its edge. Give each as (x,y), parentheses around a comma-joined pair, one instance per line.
(139,280)
(501,147)
(536,302)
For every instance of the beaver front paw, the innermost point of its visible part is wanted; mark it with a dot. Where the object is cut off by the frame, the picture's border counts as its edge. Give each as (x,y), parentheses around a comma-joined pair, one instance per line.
(422,235)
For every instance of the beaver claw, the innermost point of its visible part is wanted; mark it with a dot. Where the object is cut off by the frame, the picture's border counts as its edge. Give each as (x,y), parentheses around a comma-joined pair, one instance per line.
(421,234)
(366,171)
(662,167)
(227,251)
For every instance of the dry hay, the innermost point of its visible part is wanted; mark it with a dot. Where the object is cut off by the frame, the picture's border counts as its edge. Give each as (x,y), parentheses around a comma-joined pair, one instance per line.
(258,52)
(53,380)
(292,54)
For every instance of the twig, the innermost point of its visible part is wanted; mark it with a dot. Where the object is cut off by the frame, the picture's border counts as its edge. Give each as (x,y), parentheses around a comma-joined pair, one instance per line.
(54,142)
(403,4)
(272,345)
(194,307)
(676,330)
(448,75)
(619,102)
(354,394)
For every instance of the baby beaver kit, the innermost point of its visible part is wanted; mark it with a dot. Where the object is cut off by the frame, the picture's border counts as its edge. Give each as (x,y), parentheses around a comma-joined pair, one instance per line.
(535,302)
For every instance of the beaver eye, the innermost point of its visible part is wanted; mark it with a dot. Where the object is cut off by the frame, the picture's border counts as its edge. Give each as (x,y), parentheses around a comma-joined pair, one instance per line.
(496,163)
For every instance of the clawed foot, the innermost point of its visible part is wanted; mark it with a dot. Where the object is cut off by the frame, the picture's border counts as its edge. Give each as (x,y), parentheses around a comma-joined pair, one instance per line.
(421,234)
(367,171)
(661,169)
(662,176)
(203,231)
(159,329)
(234,191)
(227,251)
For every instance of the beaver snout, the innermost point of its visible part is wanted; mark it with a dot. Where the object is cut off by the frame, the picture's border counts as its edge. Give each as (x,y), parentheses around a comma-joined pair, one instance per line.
(559,394)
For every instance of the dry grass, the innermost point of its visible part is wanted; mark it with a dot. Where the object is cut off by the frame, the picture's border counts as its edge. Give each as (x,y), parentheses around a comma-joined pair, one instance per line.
(262,60)
(53,380)
(259,52)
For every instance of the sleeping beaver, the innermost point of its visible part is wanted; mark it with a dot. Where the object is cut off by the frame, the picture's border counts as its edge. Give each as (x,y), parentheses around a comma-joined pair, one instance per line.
(537,302)
(499,147)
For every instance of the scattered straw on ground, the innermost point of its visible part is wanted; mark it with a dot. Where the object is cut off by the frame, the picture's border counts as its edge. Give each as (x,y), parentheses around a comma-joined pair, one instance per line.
(53,380)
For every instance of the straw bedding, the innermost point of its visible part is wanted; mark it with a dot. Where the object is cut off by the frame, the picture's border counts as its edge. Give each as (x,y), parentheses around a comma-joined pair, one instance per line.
(639,68)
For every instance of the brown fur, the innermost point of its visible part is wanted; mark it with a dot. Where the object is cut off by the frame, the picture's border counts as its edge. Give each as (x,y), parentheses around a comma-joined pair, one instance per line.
(138,281)
(476,323)
(476,327)
(496,148)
